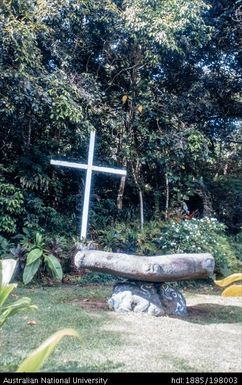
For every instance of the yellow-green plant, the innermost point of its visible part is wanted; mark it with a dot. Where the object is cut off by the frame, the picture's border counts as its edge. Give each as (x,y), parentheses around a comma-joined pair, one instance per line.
(233,290)
(36,359)
(10,309)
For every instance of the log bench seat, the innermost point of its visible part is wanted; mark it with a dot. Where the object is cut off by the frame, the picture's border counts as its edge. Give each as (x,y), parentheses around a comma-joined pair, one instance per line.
(142,284)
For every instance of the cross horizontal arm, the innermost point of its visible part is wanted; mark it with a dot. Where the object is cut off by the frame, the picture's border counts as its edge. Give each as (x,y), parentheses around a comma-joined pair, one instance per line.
(68,164)
(109,170)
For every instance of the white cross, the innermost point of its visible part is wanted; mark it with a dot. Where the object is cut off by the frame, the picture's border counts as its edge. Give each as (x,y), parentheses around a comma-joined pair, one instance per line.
(90,168)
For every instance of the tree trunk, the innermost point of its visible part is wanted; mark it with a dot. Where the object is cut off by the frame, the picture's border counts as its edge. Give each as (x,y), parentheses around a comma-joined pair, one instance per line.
(136,175)
(206,199)
(157,203)
(160,268)
(29,135)
(141,202)
(121,193)
(167,197)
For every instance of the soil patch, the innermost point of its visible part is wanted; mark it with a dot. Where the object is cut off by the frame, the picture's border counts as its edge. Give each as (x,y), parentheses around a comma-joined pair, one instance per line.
(203,313)
(214,313)
(90,304)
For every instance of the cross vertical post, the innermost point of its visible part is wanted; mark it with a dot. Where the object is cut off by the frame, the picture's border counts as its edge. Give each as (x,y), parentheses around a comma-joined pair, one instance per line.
(87,187)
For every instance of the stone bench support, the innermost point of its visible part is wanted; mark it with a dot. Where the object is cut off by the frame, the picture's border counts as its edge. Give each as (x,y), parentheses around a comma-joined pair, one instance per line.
(141,287)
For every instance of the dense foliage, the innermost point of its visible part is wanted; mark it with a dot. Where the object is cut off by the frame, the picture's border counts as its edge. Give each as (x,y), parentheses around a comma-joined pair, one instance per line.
(160,83)
(196,235)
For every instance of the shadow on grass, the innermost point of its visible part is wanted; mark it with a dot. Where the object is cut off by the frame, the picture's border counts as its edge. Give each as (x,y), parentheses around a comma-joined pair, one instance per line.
(208,313)
(75,367)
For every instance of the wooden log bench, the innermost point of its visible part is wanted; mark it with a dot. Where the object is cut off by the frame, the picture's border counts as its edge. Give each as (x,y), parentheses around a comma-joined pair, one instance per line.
(142,287)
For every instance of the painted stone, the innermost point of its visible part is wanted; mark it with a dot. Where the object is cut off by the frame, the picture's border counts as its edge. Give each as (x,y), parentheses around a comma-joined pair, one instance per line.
(146,297)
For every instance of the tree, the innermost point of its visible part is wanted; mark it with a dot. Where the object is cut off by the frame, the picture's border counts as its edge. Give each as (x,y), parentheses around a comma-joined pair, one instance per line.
(158,80)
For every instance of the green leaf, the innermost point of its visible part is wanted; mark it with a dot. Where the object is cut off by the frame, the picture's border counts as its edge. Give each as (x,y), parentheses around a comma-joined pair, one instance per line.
(5,291)
(30,271)
(54,265)
(33,255)
(1,273)
(23,304)
(36,359)
(39,239)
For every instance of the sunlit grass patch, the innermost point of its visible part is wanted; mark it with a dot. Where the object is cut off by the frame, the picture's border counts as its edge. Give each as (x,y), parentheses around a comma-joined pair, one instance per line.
(56,311)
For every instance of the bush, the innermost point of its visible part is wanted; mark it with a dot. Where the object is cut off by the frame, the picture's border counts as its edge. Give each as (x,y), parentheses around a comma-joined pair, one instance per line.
(229,205)
(38,255)
(186,236)
(11,206)
(5,247)
(236,241)
(201,235)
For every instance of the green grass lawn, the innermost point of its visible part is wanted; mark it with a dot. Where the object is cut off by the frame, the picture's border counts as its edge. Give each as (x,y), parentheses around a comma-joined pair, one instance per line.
(112,342)
(58,308)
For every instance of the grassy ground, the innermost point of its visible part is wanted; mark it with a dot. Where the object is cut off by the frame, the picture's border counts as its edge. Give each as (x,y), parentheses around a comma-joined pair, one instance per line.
(207,340)
(57,309)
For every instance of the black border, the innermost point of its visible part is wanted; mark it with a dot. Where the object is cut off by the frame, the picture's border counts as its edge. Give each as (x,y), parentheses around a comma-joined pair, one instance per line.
(215,378)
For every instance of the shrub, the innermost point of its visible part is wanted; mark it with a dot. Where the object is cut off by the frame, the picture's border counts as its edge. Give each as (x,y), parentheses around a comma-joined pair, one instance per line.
(200,235)
(39,255)
(229,205)
(186,236)
(5,247)
(11,206)
(237,244)
(63,248)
